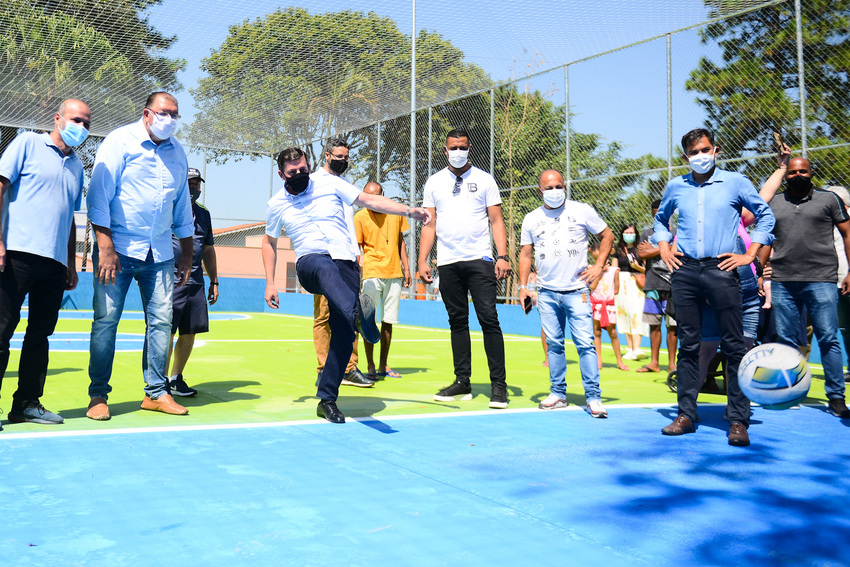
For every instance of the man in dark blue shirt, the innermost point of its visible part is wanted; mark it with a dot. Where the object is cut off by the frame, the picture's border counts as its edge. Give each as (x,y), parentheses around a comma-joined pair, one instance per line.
(704,266)
(190,302)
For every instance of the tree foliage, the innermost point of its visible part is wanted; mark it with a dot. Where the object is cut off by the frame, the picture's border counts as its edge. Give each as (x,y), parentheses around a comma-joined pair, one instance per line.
(291,77)
(103,52)
(754,89)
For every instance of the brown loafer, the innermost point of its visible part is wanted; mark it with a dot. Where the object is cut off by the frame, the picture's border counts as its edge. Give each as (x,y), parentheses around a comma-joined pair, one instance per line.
(98,410)
(680,426)
(738,435)
(165,403)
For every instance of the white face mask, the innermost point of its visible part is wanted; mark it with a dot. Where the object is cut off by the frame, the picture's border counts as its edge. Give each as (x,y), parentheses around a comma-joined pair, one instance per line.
(458,158)
(554,198)
(163,127)
(702,163)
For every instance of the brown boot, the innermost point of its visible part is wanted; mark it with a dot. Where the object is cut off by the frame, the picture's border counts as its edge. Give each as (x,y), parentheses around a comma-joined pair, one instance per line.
(680,426)
(165,403)
(738,435)
(98,410)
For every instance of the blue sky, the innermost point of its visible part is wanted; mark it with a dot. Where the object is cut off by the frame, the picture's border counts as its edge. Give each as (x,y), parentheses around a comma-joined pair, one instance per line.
(621,95)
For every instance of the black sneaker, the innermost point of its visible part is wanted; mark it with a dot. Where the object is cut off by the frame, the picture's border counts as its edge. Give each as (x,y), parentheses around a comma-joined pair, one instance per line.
(34,412)
(457,388)
(498,396)
(179,387)
(837,407)
(847,377)
(366,320)
(356,378)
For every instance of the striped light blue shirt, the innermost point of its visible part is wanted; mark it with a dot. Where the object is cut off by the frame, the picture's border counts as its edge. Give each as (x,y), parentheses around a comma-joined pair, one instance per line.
(709,214)
(139,190)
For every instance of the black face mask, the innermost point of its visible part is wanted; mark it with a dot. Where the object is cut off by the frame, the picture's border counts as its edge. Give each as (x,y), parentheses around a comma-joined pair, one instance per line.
(297,184)
(338,166)
(799,184)
(195,194)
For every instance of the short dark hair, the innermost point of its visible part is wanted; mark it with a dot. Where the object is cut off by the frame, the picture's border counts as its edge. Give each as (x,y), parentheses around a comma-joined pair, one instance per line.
(655,204)
(153,96)
(695,135)
(334,143)
(289,154)
(458,133)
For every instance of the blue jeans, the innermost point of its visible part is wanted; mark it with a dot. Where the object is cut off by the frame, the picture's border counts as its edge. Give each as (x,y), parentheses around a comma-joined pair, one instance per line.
(156,284)
(820,299)
(556,307)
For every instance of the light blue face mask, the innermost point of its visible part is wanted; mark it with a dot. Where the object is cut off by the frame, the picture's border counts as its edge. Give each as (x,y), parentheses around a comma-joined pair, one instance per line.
(73,134)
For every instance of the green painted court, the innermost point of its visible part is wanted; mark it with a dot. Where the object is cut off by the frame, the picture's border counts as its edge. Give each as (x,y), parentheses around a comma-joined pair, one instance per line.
(263,368)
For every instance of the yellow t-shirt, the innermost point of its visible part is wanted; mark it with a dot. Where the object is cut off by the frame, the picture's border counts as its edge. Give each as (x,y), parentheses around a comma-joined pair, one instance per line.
(379,236)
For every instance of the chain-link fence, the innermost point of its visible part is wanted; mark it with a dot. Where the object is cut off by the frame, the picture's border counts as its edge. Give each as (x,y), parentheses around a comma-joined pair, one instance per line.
(780,67)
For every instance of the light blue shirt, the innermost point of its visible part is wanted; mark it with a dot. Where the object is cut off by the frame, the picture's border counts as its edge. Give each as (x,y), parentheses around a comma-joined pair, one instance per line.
(315,220)
(139,190)
(709,214)
(46,187)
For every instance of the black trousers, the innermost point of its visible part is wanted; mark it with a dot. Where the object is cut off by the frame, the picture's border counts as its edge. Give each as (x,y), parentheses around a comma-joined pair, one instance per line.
(44,280)
(339,282)
(694,283)
(478,278)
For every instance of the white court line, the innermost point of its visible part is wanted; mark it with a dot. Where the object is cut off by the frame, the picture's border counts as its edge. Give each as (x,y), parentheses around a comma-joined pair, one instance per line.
(178,428)
(267,424)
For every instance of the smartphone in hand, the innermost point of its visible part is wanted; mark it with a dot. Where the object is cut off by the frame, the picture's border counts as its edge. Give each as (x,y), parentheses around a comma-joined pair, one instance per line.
(527,304)
(777,139)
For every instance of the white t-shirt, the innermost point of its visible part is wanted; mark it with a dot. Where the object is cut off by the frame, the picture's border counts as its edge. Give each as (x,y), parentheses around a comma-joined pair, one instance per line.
(559,237)
(463,227)
(316,220)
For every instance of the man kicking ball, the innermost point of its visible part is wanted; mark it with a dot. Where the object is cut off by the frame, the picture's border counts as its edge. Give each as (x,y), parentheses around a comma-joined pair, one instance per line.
(311,212)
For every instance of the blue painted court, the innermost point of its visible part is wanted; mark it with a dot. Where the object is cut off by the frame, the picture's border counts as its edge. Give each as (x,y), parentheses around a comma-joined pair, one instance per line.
(522,487)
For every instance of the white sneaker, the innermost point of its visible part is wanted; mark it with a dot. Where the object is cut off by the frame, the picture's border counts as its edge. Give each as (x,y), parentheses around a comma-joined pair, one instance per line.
(631,355)
(639,354)
(552,401)
(595,409)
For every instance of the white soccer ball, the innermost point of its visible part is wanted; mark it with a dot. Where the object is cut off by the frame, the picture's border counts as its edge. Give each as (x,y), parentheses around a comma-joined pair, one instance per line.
(775,376)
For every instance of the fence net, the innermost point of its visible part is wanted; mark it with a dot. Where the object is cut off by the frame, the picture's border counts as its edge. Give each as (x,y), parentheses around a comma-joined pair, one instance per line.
(601,91)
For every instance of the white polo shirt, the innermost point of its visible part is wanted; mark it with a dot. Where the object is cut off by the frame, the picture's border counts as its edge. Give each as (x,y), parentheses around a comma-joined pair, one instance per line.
(559,237)
(316,220)
(463,227)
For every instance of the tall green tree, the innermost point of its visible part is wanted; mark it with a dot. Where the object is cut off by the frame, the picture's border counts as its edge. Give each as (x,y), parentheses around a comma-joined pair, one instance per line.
(754,89)
(104,52)
(292,77)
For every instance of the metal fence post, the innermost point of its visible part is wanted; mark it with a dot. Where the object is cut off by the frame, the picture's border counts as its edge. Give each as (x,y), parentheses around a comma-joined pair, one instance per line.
(204,194)
(801,78)
(567,173)
(378,158)
(669,109)
(411,250)
(493,132)
(430,136)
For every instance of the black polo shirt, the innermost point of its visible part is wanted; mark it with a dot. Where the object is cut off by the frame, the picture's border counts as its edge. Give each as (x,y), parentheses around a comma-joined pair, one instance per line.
(203,237)
(804,250)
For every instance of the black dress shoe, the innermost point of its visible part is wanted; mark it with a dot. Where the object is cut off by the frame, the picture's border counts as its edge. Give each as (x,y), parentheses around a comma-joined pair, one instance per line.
(680,426)
(738,435)
(328,410)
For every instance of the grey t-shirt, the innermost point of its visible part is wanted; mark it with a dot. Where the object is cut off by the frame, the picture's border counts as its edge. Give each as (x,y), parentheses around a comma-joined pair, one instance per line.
(658,275)
(804,250)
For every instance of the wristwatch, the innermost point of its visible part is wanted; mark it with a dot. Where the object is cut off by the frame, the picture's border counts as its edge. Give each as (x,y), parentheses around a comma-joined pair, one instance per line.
(505,258)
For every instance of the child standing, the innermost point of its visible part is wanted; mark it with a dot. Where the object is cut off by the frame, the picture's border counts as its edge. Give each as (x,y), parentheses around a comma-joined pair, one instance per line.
(603,291)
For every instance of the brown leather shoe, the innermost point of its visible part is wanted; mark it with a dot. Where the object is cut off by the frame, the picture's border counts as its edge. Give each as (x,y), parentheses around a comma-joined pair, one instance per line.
(98,410)
(738,435)
(165,403)
(680,426)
